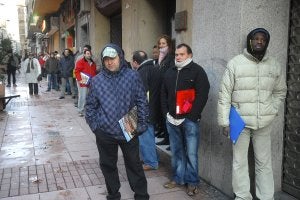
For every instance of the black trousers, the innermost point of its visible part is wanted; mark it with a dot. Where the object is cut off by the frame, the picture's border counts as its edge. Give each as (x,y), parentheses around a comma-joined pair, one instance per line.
(33,88)
(9,74)
(108,151)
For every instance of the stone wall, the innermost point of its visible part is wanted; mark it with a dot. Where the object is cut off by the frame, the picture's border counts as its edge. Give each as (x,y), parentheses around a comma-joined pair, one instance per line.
(219,33)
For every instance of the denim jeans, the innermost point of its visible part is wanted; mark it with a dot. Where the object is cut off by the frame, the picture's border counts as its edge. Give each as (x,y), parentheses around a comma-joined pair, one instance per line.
(148,147)
(52,81)
(82,92)
(64,86)
(184,143)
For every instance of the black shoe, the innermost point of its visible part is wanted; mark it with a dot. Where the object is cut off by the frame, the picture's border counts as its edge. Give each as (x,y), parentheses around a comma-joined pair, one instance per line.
(61,97)
(163,142)
(168,148)
(73,97)
(47,90)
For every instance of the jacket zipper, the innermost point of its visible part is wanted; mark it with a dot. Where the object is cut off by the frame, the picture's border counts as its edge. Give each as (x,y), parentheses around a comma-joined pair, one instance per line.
(258,89)
(175,92)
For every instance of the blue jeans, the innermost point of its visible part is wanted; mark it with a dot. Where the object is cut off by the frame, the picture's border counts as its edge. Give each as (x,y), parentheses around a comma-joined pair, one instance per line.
(64,82)
(52,81)
(184,143)
(82,93)
(148,147)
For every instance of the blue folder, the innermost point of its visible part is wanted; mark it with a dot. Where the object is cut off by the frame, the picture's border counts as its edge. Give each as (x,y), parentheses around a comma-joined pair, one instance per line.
(236,124)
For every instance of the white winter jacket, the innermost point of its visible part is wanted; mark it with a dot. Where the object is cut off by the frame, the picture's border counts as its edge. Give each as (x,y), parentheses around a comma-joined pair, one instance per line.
(255,88)
(31,77)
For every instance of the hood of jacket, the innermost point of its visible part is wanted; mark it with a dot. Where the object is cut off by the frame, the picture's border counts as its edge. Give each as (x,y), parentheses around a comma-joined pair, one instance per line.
(123,63)
(250,37)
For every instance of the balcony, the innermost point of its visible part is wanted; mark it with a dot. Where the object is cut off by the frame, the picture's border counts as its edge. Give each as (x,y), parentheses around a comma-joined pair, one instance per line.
(42,8)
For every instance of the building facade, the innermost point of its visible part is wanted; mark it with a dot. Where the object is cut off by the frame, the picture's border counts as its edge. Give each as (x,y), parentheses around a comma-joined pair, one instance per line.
(216,31)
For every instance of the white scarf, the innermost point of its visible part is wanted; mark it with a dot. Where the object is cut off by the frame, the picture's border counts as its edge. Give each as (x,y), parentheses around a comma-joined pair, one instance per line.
(184,63)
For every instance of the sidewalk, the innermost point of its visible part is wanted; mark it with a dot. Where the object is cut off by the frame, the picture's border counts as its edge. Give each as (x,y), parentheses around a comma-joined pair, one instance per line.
(48,152)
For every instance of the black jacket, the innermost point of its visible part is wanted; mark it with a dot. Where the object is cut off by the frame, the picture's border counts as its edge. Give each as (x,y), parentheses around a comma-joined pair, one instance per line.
(151,80)
(191,76)
(166,63)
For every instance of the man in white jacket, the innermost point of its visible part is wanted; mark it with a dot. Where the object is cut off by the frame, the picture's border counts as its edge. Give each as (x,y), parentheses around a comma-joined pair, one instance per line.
(255,85)
(32,70)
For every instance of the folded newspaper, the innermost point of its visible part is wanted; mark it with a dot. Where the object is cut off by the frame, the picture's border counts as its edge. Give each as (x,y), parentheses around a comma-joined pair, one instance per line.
(128,123)
(85,78)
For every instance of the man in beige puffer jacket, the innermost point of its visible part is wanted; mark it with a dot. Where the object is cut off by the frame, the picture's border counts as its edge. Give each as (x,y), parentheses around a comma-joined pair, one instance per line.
(255,85)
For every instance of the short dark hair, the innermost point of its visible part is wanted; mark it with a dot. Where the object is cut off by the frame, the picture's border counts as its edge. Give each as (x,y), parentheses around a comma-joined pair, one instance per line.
(189,49)
(87,46)
(139,56)
(86,51)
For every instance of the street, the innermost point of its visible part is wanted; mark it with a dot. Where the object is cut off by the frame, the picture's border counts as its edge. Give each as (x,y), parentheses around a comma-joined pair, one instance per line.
(48,152)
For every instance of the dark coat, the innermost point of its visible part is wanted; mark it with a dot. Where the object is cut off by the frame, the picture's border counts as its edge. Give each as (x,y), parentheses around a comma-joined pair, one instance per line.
(52,65)
(166,63)
(191,76)
(12,63)
(66,66)
(151,80)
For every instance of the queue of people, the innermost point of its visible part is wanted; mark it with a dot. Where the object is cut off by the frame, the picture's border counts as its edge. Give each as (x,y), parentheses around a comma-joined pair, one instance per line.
(169,93)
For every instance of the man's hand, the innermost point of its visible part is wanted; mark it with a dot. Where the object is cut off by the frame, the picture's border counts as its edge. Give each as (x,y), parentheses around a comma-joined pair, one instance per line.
(226,131)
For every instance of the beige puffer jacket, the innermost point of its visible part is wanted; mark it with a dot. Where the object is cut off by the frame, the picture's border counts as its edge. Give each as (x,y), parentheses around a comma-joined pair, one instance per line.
(255,88)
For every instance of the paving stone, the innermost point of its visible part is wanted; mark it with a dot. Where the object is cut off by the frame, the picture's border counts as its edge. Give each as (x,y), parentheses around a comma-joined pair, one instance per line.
(4,193)
(7,175)
(5,181)
(24,190)
(5,187)
(72,194)
(78,181)
(33,189)
(70,185)
(52,175)
(86,181)
(13,192)
(52,187)
(61,186)
(43,188)
(74,173)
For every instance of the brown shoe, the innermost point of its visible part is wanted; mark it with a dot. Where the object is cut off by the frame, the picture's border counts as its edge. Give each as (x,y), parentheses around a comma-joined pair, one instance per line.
(170,185)
(192,190)
(148,168)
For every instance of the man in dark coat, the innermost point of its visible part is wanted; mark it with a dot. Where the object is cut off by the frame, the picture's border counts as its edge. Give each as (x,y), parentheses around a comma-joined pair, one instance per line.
(114,92)
(12,65)
(150,76)
(184,95)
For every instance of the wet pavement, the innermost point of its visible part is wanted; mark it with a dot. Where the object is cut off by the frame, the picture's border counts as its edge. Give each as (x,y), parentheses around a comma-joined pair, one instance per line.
(48,152)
